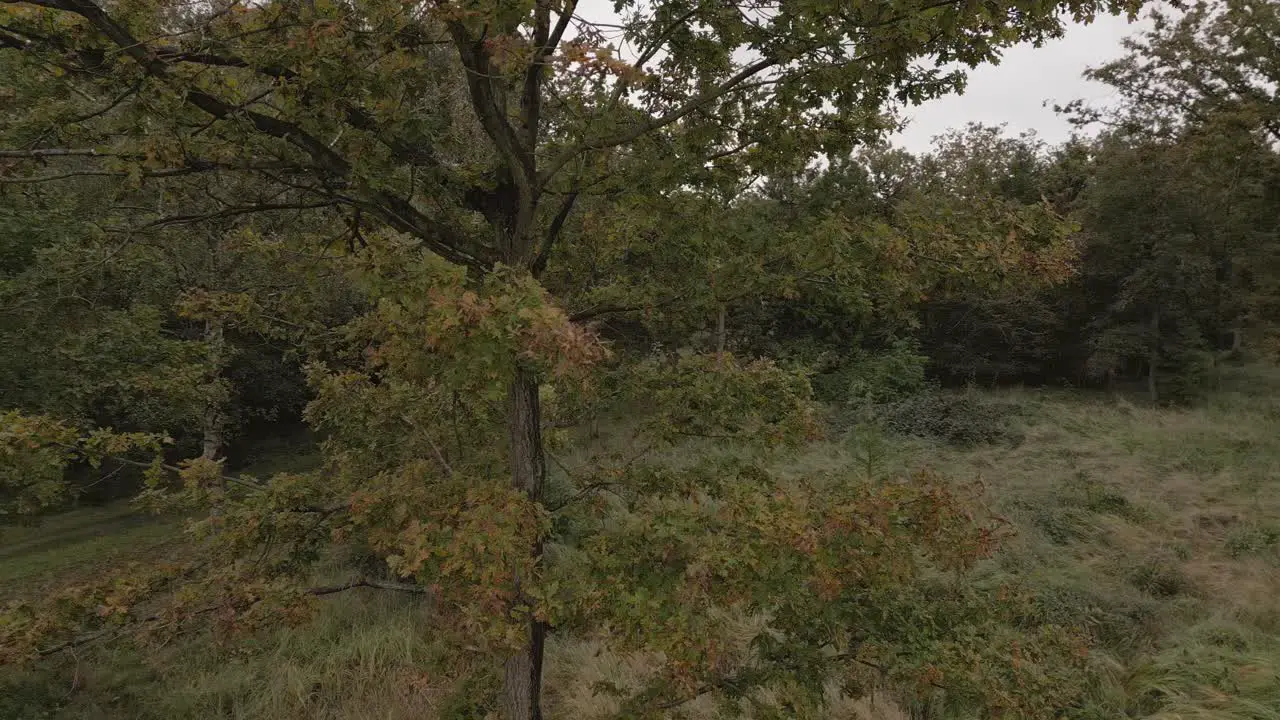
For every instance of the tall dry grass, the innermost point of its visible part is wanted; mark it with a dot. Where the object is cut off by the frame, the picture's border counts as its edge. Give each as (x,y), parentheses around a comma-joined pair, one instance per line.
(1158,529)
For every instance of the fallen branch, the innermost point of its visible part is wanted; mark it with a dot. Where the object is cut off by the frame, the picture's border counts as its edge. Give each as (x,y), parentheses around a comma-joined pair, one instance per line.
(319,591)
(368,583)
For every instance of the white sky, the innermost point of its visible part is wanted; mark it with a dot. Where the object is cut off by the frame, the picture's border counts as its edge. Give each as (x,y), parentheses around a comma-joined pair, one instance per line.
(1015,91)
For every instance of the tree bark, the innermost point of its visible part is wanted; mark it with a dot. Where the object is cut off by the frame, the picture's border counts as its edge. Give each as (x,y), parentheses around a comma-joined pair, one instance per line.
(522,679)
(521,693)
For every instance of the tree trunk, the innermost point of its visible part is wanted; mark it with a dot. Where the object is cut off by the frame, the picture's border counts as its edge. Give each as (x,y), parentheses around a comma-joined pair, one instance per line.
(212,443)
(1237,343)
(522,679)
(720,334)
(521,694)
(1153,359)
(1221,356)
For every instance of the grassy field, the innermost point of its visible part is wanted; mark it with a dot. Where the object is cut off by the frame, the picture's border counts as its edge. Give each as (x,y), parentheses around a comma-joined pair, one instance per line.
(77,543)
(1158,528)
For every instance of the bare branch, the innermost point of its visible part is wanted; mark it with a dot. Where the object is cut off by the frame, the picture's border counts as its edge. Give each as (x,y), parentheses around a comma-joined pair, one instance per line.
(113,104)
(368,583)
(448,469)
(730,151)
(203,58)
(35,179)
(229,212)
(12,41)
(566,16)
(60,152)
(545,40)
(647,54)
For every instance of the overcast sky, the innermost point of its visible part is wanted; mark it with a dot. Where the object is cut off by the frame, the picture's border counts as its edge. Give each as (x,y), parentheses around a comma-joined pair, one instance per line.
(1014,92)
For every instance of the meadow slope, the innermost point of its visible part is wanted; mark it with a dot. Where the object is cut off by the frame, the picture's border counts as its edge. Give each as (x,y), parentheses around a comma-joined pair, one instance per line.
(1157,529)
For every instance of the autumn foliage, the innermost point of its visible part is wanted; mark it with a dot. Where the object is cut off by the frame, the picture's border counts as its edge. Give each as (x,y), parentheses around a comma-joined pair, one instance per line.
(454,238)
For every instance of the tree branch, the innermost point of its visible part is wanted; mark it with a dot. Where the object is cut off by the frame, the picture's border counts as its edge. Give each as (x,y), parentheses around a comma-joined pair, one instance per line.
(115,102)
(368,583)
(444,240)
(13,41)
(730,151)
(229,212)
(553,233)
(531,97)
(319,591)
(60,152)
(595,312)
(485,102)
(557,33)
(166,466)
(196,167)
(701,100)
(203,58)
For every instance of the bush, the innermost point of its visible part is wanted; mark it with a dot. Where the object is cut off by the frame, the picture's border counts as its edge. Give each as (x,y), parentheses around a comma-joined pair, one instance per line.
(875,377)
(1159,576)
(959,419)
(1251,539)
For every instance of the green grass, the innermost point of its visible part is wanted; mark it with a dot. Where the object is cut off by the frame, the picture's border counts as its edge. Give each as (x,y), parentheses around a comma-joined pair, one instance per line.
(295,452)
(88,541)
(363,657)
(1156,529)
(77,544)
(1159,528)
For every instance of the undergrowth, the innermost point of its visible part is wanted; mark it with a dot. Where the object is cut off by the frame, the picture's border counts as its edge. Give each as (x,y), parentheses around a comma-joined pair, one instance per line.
(1157,530)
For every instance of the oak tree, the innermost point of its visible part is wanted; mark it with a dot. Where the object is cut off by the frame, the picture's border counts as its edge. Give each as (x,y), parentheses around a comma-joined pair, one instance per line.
(456,139)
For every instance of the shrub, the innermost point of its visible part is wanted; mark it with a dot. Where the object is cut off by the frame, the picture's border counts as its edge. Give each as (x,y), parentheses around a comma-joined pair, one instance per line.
(875,377)
(959,419)
(1251,539)
(1187,366)
(1159,576)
